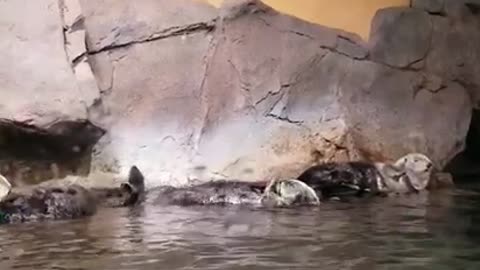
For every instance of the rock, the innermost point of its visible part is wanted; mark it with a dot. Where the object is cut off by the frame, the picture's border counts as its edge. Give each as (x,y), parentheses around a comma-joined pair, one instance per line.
(455,55)
(461,8)
(400,36)
(400,108)
(431,6)
(351,48)
(32,51)
(116,23)
(452,8)
(44,110)
(241,92)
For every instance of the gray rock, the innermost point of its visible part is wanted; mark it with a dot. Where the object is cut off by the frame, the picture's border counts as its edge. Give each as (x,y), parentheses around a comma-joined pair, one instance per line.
(452,8)
(461,8)
(431,6)
(35,76)
(400,36)
(400,106)
(112,23)
(455,55)
(189,92)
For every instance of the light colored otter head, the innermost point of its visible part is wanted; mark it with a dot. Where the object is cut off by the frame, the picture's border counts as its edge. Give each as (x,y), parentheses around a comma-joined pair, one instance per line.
(289,192)
(5,187)
(418,168)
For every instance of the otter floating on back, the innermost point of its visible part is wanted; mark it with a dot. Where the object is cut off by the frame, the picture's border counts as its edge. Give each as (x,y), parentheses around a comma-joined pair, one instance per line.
(279,193)
(411,173)
(59,201)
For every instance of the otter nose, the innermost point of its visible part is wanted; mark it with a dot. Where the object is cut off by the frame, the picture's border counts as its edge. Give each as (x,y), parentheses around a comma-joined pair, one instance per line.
(429,165)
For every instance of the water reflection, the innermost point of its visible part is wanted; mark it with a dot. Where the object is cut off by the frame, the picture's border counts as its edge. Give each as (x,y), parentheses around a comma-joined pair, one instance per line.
(417,232)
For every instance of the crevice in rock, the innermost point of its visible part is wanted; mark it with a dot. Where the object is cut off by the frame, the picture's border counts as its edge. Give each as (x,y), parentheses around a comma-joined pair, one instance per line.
(285,119)
(29,154)
(79,59)
(243,85)
(209,56)
(429,48)
(61,7)
(166,33)
(437,13)
(410,67)
(474,8)
(272,94)
(466,165)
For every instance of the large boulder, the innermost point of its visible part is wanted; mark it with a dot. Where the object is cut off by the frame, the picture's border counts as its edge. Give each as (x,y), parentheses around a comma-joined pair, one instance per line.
(187,91)
(37,83)
(254,94)
(44,127)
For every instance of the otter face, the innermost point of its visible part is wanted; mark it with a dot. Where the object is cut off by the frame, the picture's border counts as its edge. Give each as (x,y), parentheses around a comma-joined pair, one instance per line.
(419,169)
(289,192)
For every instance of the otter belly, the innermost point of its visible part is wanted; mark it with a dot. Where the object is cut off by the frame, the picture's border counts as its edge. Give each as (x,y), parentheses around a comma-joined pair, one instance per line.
(210,193)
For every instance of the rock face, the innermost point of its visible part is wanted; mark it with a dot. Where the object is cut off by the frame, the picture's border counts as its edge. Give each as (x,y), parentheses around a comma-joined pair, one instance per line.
(186,91)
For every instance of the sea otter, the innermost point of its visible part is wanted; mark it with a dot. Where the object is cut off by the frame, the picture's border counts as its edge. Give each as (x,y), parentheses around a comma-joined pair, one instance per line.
(410,173)
(278,193)
(34,203)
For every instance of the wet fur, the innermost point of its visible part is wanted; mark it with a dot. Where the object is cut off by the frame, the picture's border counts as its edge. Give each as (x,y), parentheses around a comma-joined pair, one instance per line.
(210,193)
(37,203)
(286,193)
(127,194)
(225,192)
(347,178)
(409,174)
(47,204)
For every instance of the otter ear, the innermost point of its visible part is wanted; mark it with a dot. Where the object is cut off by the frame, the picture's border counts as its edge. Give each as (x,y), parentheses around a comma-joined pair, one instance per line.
(135,177)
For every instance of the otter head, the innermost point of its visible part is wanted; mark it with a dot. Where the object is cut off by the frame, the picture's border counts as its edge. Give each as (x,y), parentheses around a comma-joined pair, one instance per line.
(127,194)
(135,187)
(5,187)
(289,192)
(418,168)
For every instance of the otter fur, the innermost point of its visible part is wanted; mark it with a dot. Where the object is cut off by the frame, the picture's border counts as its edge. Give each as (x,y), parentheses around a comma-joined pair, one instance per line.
(221,192)
(410,173)
(292,192)
(233,192)
(35,203)
(127,194)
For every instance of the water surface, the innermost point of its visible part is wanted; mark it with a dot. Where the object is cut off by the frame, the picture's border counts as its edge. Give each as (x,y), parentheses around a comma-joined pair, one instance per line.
(439,231)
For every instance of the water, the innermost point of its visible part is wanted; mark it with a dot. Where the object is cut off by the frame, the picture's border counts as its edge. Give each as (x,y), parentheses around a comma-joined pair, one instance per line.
(439,231)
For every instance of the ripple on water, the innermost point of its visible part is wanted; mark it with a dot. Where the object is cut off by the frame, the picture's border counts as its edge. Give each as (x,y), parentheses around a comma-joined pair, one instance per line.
(439,231)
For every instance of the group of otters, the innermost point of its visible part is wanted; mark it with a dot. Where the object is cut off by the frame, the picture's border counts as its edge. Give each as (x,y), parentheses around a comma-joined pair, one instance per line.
(410,174)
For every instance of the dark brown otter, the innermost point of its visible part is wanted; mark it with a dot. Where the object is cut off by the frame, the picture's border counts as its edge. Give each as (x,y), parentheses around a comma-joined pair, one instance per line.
(68,202)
